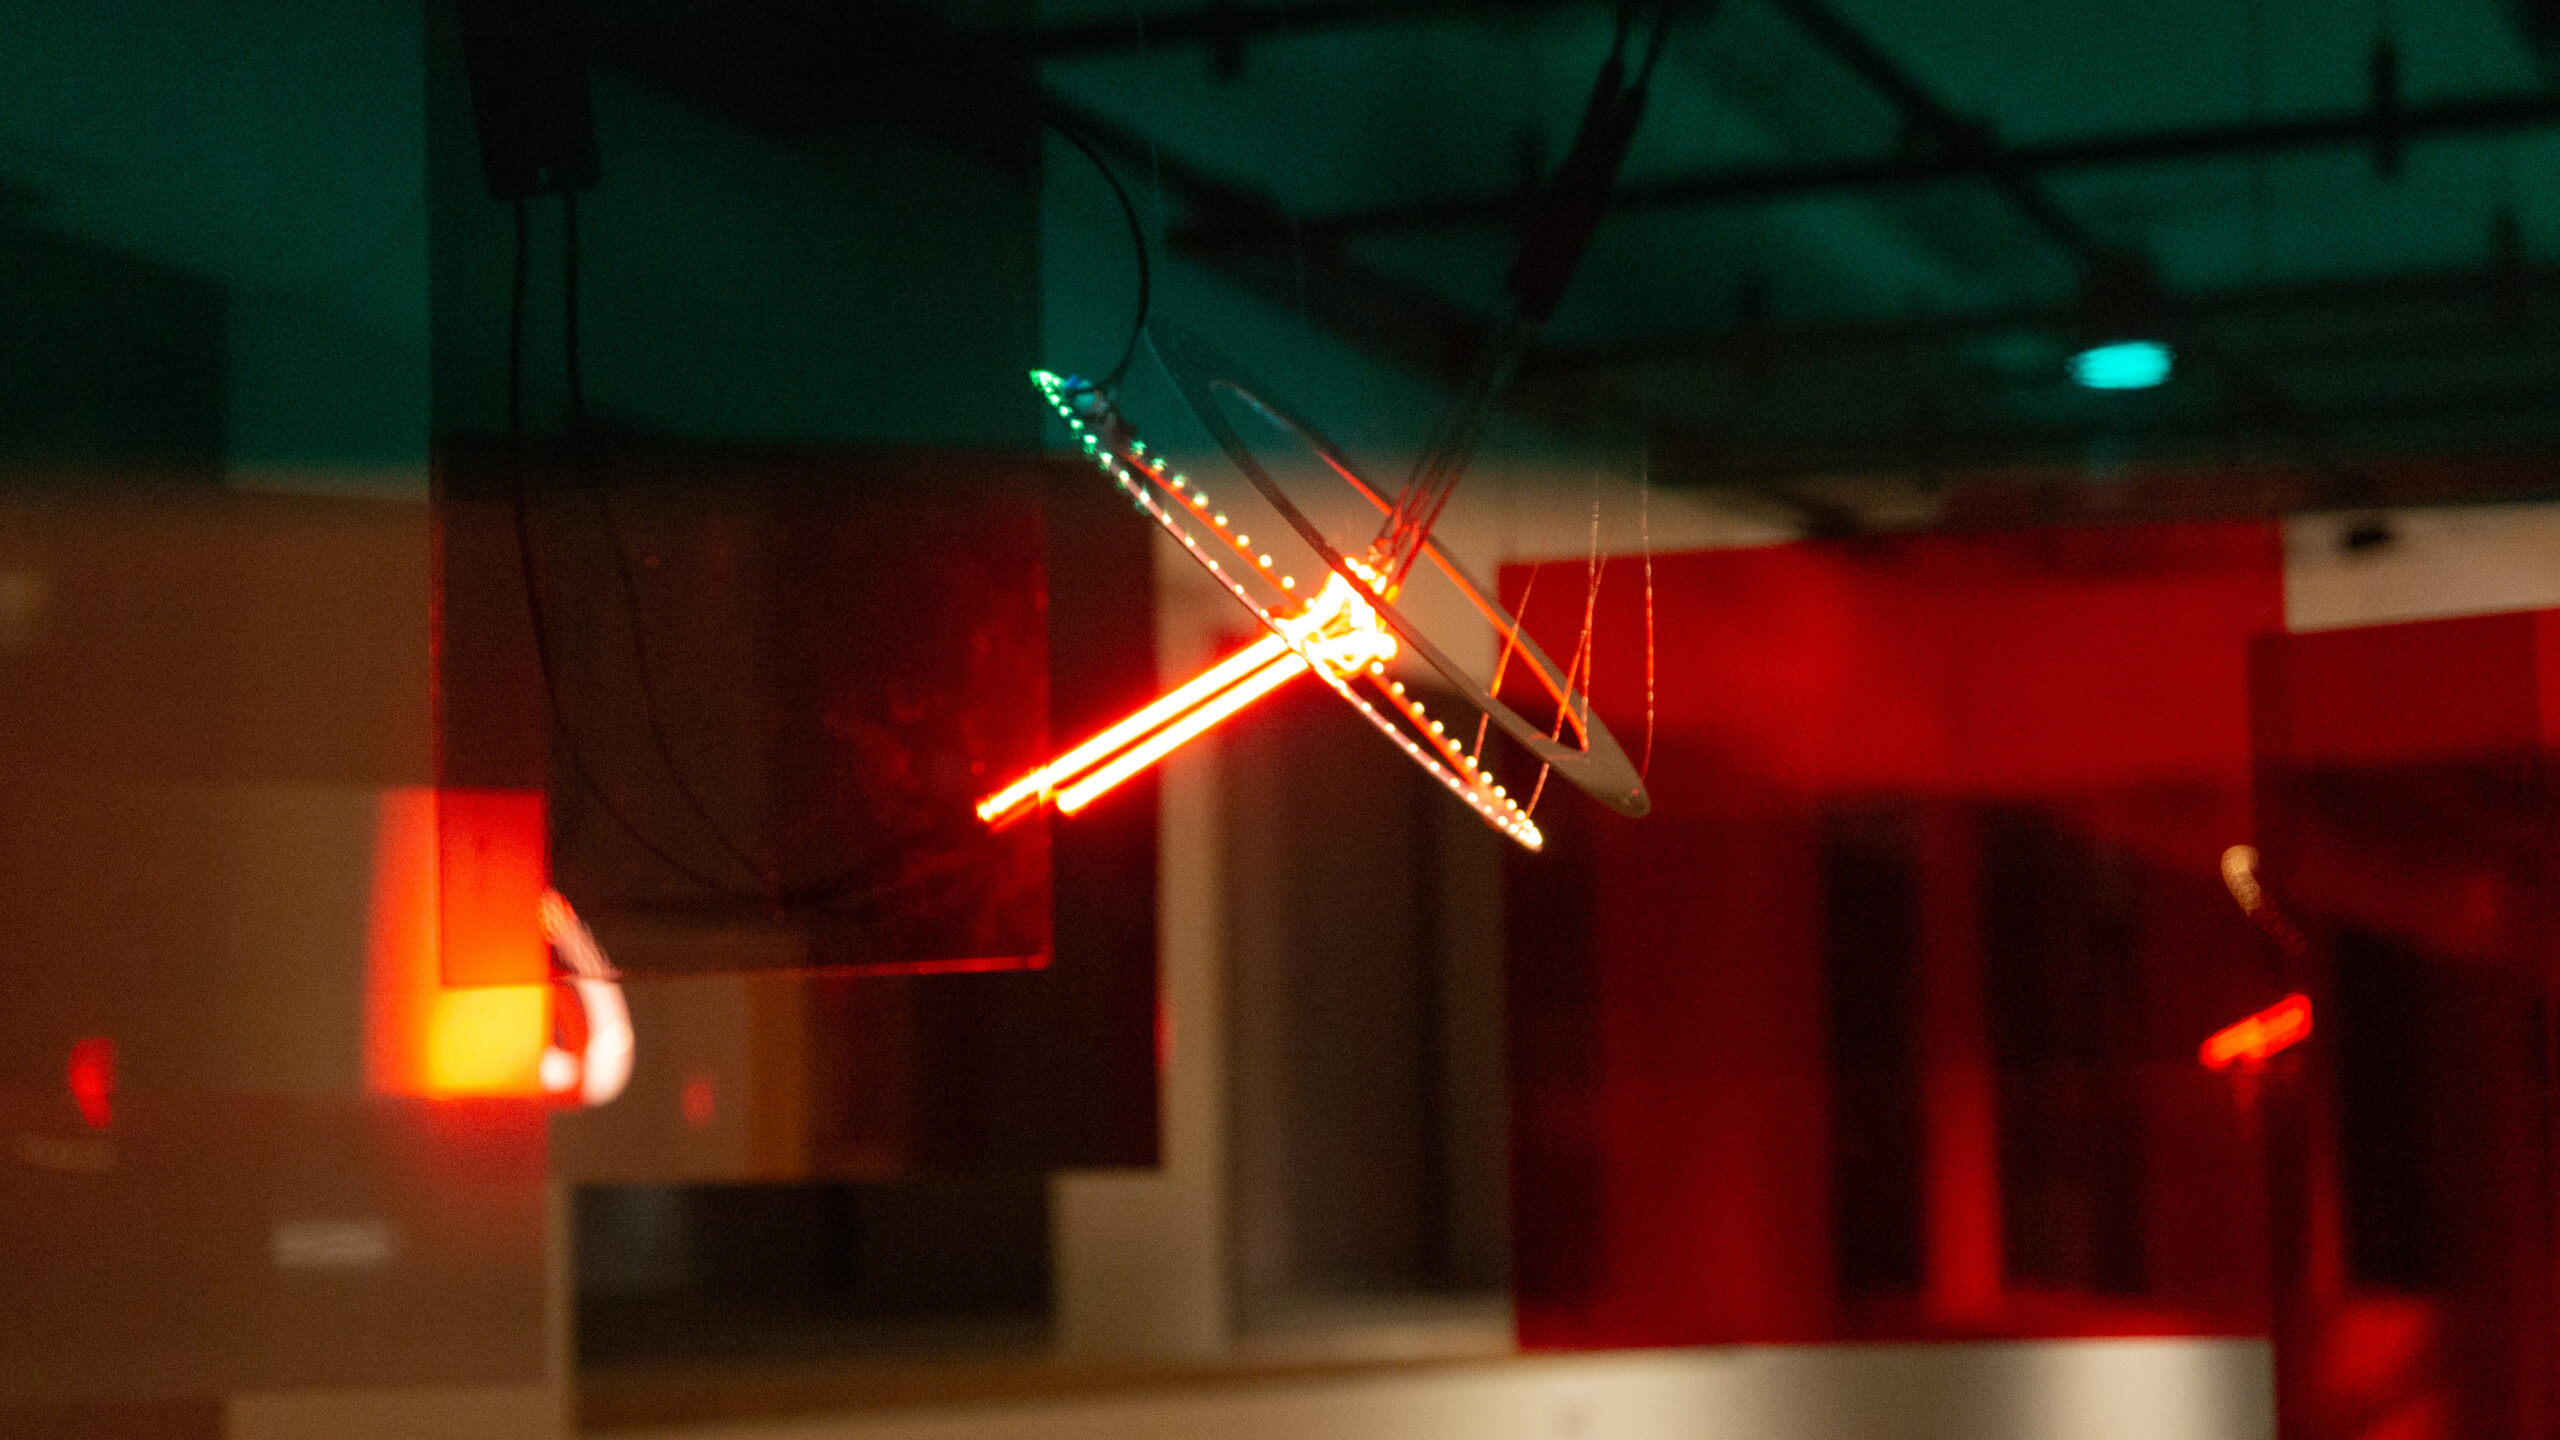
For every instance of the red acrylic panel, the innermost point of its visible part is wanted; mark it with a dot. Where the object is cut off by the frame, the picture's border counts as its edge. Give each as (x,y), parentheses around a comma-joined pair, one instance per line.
(2406,814)
(1884,1024)
(492,865)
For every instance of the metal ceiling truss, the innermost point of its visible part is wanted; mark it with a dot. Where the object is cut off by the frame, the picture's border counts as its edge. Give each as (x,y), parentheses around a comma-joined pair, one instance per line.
(1228,23)
(1303,263)
(2003,163)
(1228,227)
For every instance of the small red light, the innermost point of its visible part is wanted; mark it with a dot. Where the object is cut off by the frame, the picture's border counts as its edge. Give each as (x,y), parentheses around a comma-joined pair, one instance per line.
(701,1102)
(2285,1023)
(91,1074)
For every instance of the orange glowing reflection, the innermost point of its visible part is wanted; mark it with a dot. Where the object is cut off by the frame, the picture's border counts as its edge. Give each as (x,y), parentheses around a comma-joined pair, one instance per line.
(2254,1040)
(91,1076)
(422,1037)
(488,1040)
(1338,629)
(492,864)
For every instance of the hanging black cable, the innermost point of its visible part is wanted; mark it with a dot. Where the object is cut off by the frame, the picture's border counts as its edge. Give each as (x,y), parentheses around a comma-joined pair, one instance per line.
(1137,246)
(531,571)
(842,893)
(651,711)
(530,104)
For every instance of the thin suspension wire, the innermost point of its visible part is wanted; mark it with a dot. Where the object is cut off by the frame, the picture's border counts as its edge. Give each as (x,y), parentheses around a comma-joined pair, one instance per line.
(1510,643)
(520,277)
(2256,82)
(652,713)
(1155,153)
(1577,672)
(1462,425)
(1298,257)
(1590,614)
(1644,538)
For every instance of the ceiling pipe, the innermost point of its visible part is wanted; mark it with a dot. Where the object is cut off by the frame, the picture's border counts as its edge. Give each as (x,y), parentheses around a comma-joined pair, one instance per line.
(1754,184)
(2432,292)
(1947,132)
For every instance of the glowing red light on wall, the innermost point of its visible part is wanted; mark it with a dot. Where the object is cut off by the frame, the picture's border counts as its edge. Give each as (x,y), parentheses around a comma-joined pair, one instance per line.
(2253,1040)
(91,1074)
(700,1100)
(426,1035)
(492,865)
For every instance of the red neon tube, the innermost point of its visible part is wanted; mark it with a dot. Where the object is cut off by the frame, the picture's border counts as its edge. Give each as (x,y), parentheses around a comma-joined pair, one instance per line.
(2252,1041)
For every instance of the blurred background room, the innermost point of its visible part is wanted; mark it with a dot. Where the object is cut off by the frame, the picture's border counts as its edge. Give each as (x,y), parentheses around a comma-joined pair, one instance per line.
(1336,719)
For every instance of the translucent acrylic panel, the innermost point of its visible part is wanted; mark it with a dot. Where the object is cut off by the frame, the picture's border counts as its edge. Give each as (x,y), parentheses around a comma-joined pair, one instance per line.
(1884,1024)
(2406,809)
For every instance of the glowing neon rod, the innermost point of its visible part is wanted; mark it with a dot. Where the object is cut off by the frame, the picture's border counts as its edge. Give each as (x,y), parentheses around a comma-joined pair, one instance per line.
(1075,797)
(1040,784)
(1336,629)
(2253,1040)
(1338,636)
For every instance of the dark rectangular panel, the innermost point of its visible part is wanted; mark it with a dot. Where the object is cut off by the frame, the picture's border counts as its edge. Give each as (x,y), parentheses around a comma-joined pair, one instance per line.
(767,690)
(847,649)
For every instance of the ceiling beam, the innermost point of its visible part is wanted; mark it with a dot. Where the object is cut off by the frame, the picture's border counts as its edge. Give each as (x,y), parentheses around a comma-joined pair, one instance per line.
(2430,292)
(1939,127)
(1224,24)
(2523,419)
(1753,184)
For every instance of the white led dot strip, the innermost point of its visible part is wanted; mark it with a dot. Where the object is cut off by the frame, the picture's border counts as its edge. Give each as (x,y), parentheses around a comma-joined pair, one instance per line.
(1335,635)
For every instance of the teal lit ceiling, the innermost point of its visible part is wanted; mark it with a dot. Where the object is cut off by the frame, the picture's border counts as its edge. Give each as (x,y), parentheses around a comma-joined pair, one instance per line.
(1856,237)
(1866,235)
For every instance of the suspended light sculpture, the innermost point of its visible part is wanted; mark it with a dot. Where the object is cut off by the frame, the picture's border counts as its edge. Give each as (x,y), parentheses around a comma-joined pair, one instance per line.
(1345,634)
(1350,633)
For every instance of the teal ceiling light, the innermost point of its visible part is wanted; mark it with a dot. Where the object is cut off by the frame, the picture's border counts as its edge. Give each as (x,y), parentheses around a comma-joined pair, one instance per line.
(2122,365)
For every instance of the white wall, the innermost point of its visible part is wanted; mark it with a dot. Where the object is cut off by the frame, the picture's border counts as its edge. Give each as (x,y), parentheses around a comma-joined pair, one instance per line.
(2459,560)
(2081,1390)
